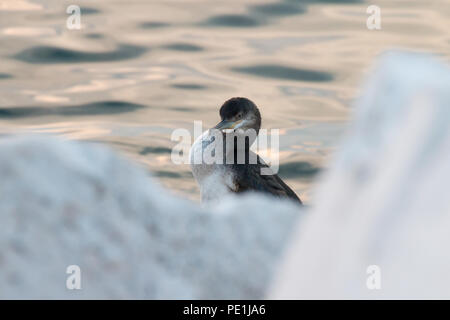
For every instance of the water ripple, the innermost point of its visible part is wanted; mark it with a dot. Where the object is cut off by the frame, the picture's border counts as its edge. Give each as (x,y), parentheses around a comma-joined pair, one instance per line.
(48,54)
(183,47)
(300,169)
(172,174)
(154,150)
(283,72)
(5,76)
(91,109)
(153,25)
(86,10)
(233,20)
(277,9)
(188,86)
(94,36)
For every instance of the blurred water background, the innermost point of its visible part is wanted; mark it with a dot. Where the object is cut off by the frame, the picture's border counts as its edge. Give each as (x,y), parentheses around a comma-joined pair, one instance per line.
(137,70)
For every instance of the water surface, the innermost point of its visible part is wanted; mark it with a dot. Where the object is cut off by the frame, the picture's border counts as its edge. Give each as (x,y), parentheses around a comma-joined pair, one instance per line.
(137,70)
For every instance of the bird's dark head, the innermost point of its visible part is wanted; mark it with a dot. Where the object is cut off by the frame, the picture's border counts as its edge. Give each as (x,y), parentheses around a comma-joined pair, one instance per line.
(239,113)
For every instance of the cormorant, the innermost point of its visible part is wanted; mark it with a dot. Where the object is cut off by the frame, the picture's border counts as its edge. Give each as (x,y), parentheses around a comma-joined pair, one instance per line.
(240,169)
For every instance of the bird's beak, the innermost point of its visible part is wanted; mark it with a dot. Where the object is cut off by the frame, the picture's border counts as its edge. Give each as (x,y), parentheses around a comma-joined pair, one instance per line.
(225,124)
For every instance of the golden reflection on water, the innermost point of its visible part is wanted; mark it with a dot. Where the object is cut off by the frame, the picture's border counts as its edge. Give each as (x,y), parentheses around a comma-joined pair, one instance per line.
(302,62)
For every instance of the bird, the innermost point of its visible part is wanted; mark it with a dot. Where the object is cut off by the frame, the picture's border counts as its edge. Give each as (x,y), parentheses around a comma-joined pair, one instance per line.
(223,173)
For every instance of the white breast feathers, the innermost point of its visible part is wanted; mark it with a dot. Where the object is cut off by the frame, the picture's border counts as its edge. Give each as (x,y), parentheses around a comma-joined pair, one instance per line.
(215,179)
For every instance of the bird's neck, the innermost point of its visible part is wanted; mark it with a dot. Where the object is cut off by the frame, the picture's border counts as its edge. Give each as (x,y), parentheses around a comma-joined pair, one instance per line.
(237,149)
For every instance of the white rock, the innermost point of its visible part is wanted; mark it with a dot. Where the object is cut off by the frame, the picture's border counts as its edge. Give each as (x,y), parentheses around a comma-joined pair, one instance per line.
(69,203)
(385,201)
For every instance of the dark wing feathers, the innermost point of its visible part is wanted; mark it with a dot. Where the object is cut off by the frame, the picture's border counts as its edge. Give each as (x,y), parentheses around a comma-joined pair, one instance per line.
(248,177)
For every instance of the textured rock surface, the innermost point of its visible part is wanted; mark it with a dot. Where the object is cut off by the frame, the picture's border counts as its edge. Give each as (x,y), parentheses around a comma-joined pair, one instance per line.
(385,200)
(68,203)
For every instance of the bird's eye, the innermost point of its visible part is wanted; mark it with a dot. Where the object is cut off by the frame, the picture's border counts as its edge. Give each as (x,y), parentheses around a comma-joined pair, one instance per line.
(239,115)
